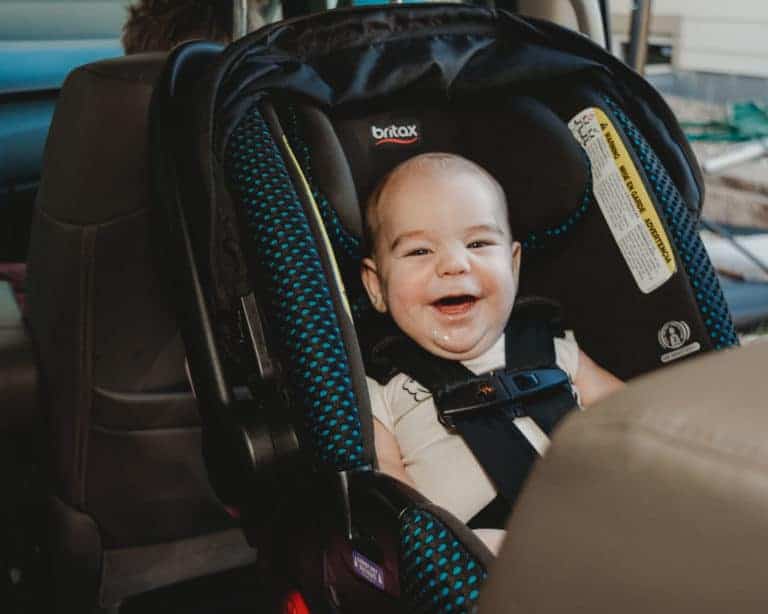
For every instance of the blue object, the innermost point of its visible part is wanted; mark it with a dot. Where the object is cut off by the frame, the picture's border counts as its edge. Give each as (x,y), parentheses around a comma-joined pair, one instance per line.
(23,129)
(31,73)
(28,66)
(748,302)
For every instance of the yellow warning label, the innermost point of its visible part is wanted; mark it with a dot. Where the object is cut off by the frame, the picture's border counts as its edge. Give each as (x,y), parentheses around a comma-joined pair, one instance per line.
(624,201)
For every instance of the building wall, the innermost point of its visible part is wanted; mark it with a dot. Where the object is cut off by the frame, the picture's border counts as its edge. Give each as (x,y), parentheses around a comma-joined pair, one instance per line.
(713,36)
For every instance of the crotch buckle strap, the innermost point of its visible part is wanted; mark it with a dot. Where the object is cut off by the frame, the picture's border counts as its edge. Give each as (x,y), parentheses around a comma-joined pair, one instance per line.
(495,390)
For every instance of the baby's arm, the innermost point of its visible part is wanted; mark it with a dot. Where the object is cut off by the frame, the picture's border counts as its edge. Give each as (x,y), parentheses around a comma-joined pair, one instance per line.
(391,463)
(594,382)
(388,453)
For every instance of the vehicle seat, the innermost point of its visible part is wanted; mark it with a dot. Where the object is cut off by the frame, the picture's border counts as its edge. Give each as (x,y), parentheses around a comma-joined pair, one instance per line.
(131,508)
(656,501)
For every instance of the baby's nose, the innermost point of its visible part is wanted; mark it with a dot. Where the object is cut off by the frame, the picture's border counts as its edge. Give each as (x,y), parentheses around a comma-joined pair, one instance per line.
(453,262)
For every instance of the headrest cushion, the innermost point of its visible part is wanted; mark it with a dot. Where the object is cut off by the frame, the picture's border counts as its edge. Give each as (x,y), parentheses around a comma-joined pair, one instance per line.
(521,142)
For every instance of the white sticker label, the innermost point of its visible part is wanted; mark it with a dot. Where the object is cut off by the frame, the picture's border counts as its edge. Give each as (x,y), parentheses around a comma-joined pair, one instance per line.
(624,201)
(679,353)
(673,336)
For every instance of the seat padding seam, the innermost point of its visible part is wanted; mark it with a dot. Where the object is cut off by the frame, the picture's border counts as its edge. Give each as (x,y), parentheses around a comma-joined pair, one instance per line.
(71,225)
(82,418)
(165,430)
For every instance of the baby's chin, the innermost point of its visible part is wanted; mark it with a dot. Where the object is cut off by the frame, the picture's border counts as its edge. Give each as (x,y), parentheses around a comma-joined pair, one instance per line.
(452,348)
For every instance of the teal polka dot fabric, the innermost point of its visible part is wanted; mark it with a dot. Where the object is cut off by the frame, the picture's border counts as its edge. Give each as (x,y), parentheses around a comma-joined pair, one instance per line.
(683,228)
(438,575)
(292,279)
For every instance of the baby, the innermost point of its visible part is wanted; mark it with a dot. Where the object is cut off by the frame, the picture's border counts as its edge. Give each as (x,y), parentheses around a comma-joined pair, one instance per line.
(445,266)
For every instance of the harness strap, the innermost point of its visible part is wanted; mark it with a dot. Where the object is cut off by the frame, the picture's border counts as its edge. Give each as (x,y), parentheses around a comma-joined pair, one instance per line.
(492,516)
(501,405)
(500,447)
(529,344)
(497,438)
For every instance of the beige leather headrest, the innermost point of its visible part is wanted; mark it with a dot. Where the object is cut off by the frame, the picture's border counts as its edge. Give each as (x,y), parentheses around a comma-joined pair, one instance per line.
(656,500)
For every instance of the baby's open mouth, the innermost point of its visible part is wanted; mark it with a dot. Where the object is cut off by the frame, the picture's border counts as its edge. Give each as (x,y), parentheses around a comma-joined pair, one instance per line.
(455,305)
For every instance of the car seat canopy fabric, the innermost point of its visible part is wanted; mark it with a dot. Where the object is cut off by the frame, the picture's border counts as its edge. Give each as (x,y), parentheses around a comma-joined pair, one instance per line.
(356,55)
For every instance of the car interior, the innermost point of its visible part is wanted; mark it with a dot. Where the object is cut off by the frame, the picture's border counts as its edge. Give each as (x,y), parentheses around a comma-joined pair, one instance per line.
(160,443)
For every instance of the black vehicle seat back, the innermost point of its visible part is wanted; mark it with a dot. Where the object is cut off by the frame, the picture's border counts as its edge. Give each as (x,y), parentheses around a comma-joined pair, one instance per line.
(131,506)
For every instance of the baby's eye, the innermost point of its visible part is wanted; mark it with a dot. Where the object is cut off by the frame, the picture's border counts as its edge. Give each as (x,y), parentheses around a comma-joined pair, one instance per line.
(419,251)
(479,243)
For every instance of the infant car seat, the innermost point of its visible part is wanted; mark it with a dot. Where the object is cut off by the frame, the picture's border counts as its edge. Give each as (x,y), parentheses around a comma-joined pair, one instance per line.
(262,157)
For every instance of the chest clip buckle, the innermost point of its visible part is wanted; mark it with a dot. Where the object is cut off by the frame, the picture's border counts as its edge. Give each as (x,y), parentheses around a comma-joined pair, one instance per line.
(508,390)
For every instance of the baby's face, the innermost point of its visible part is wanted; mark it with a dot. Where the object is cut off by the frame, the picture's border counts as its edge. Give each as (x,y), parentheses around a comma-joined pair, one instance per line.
(444,264)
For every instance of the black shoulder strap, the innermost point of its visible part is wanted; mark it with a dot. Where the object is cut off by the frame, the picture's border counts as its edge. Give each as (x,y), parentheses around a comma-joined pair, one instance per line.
(529,335)
(432,372)
(529,346)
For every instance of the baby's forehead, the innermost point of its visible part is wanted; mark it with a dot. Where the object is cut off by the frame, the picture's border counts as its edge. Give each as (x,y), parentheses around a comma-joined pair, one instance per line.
(387,209)
(420,174)
(435,169)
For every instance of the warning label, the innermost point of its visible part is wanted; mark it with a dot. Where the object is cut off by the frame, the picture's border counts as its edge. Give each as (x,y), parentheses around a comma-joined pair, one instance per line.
(624,201)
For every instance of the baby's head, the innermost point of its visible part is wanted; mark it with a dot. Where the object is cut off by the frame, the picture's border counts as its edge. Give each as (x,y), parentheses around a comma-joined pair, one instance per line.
(442,259)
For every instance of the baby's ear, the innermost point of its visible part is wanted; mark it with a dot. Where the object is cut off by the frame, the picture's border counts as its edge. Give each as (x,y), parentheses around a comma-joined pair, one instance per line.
(370,274)
(517,251)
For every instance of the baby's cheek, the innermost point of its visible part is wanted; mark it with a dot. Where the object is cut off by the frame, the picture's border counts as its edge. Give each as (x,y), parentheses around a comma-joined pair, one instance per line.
(406,292)
(410,317)
(406,315)
(504,291)
(504,282)
(511,292)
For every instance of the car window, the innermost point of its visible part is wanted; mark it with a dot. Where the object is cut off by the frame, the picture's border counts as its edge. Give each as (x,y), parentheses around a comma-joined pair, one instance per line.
(41,41)
(708,61)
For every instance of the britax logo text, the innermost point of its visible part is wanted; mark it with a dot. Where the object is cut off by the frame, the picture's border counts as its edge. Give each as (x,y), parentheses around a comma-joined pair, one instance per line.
(399,135)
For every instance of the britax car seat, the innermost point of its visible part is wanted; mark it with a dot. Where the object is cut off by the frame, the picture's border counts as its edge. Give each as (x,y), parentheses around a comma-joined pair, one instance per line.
(261,160)
(130,506)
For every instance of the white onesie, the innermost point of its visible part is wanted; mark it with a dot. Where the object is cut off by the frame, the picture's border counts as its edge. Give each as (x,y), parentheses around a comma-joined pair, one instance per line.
(438,461)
